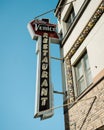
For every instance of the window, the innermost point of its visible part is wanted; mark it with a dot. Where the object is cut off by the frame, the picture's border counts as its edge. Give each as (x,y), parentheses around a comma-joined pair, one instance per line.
(70,18)
(82,74)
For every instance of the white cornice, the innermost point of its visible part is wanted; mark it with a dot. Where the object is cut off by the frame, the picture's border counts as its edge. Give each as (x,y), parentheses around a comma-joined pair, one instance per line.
(58,7)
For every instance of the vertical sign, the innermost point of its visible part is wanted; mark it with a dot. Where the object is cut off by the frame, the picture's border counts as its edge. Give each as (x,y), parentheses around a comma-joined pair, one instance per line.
(44,91)
(44,32)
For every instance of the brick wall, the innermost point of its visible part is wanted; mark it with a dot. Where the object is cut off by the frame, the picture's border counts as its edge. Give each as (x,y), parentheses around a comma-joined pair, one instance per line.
(87,113)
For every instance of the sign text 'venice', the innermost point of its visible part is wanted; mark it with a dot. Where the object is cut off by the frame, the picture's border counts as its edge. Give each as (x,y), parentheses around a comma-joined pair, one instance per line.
(42,27)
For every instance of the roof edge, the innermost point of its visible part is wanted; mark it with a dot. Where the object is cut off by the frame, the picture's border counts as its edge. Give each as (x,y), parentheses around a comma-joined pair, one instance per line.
(58,7)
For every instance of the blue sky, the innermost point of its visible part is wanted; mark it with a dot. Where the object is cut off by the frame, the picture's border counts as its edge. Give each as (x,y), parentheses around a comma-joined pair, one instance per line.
(18,67)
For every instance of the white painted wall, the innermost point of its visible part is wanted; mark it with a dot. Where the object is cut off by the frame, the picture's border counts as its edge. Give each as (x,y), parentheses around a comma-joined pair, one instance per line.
(77,5)
(80,25)
(94,44)
(95,48)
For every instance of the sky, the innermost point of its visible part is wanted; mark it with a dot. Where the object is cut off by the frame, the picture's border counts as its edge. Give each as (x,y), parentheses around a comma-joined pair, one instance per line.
(18,67)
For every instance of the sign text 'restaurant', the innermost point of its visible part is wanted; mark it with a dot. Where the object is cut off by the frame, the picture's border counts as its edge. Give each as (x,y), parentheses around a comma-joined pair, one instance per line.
(44,74)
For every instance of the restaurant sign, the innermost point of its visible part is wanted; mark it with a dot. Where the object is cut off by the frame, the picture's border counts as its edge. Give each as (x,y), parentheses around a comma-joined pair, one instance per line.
(44,33)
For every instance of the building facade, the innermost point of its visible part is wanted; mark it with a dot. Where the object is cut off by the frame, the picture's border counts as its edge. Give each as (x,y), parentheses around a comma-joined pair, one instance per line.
(81,27)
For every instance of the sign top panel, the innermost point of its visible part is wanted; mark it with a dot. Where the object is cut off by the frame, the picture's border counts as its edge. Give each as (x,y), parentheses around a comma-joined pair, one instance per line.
(38,27)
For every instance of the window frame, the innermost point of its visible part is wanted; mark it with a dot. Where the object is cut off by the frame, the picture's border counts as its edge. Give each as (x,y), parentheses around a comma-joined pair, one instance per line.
(77,88)
(68,15)
(70,18)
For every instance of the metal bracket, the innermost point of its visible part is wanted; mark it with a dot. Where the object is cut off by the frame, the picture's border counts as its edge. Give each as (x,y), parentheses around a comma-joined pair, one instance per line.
(57,58)
(57,92)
